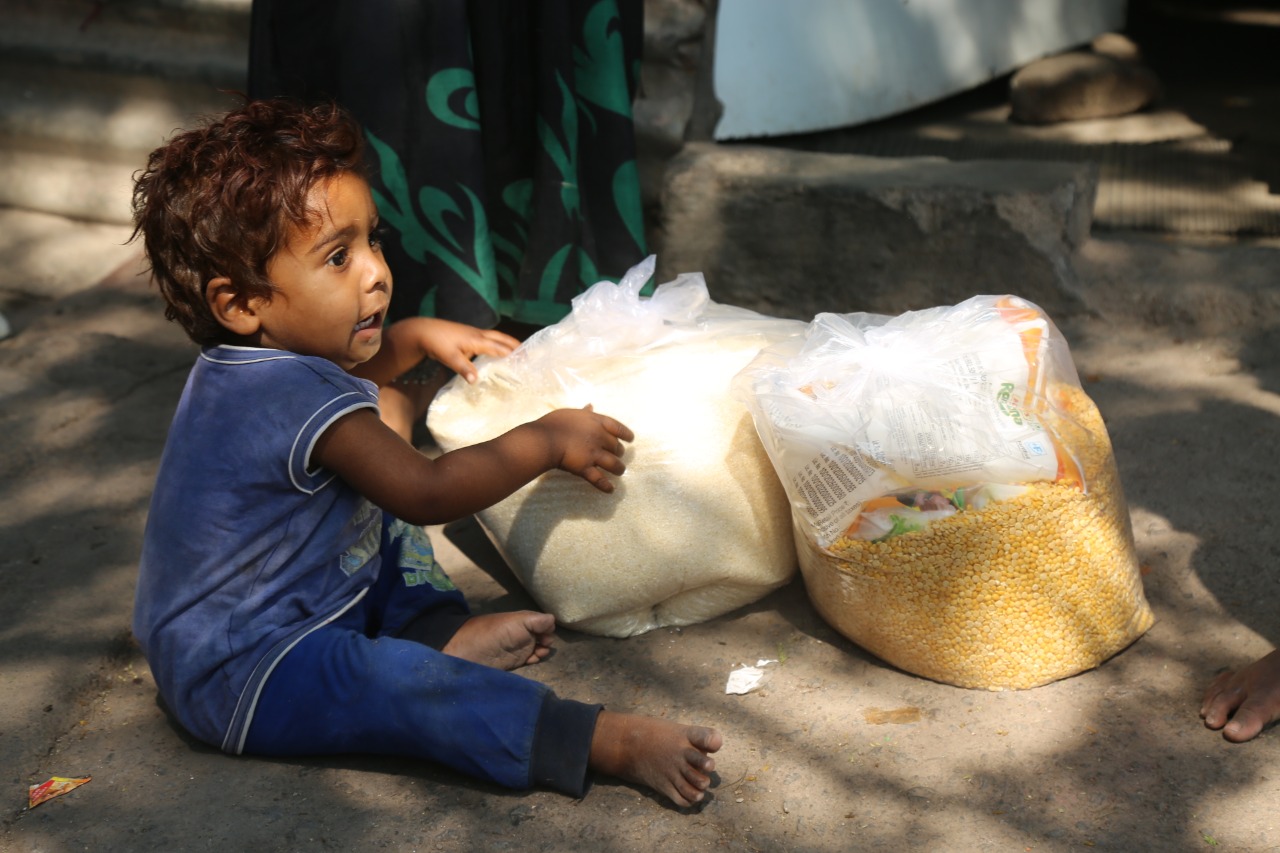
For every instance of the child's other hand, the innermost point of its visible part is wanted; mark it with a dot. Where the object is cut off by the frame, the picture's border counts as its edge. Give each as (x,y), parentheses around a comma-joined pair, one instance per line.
(590,444)
(455,344)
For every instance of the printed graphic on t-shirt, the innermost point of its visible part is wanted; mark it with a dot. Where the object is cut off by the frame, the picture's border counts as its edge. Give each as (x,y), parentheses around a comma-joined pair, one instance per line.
(417,558)
(367,519)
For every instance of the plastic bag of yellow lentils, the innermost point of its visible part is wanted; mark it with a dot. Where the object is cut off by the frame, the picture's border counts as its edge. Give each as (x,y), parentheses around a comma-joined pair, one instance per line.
(954,495)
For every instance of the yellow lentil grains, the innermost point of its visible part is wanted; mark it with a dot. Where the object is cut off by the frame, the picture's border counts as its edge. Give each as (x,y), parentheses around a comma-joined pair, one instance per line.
(1022,593)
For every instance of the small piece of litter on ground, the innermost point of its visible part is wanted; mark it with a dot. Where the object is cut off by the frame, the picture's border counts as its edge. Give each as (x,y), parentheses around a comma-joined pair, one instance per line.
(746,678)
(896,716)
(54,787)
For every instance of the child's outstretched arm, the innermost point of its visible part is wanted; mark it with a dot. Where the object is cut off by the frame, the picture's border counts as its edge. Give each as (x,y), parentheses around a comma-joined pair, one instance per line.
(409,341)
(1248,699)
(379,464)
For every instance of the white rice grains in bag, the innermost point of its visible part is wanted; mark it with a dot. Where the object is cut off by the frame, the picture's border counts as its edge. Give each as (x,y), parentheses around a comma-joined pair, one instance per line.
(699,524)
(957,507)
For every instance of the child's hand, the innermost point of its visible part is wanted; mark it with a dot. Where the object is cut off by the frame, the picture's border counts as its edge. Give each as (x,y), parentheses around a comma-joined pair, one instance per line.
(406,342)
(590,445)
(455,344)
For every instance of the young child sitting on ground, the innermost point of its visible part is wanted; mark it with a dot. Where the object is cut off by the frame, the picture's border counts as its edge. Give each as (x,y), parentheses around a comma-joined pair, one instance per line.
(288,600)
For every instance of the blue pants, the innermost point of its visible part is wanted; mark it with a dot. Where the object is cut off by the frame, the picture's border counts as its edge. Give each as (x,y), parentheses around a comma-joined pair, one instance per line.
(356,686)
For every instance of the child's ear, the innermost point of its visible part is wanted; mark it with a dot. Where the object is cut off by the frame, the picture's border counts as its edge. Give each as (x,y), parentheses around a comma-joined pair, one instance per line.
(230,307)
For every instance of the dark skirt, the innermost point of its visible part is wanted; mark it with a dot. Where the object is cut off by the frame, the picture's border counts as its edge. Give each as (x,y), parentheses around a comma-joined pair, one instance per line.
(501,149)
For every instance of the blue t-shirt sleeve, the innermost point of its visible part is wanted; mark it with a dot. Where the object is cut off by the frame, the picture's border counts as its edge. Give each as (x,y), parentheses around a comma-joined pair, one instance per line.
(305,477)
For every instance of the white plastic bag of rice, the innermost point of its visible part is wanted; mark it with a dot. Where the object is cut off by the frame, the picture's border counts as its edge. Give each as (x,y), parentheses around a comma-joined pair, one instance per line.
(699,524)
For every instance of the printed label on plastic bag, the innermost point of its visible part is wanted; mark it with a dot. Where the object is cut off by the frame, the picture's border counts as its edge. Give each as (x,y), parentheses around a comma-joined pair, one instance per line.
(921,405)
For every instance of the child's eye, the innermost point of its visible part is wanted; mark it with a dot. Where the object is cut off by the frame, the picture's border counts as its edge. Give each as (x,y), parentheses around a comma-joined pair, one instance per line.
(377,236)
(338,258)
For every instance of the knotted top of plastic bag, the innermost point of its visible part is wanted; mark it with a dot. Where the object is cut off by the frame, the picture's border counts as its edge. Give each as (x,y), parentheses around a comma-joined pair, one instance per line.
(845,355)
(611,320)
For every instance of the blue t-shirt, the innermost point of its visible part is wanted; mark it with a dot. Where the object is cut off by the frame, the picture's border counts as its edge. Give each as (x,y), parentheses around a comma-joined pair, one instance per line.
(248,545)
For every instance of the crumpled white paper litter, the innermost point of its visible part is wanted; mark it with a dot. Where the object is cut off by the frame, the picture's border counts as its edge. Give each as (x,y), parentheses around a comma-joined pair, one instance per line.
(746,678)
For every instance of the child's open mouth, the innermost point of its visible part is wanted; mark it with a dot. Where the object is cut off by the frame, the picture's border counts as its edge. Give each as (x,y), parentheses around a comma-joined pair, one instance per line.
(369,322)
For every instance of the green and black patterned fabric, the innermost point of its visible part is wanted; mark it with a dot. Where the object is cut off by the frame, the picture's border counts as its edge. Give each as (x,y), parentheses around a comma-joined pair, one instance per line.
(501,145)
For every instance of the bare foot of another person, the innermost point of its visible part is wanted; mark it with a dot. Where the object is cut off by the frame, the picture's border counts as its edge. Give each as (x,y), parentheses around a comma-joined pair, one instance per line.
(1250,699)
(504,640)
(671,758)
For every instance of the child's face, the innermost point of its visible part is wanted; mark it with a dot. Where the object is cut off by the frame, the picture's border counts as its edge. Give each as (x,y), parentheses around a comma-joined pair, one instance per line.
(332,284)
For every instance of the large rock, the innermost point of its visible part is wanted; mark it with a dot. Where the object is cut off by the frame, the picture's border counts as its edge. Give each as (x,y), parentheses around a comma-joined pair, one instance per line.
(667,103)
(1081,85)
(792,234)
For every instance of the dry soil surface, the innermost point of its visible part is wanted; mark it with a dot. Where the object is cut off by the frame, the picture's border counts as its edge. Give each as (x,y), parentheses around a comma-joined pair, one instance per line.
(835,751)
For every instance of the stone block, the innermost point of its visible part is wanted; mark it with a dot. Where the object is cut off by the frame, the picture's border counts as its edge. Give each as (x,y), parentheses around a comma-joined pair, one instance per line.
(792,234)
(1080,85)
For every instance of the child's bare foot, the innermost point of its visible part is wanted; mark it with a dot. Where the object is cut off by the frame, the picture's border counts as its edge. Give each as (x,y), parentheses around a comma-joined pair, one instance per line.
(1250,699)
(504,640)
(671,758)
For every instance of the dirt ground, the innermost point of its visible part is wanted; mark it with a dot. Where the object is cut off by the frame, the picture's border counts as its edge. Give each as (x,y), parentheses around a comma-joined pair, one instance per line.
(1180,355)
(1178,348)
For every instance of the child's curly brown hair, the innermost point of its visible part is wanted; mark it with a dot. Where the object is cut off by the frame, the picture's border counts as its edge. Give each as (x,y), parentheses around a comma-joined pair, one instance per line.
(219,200)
